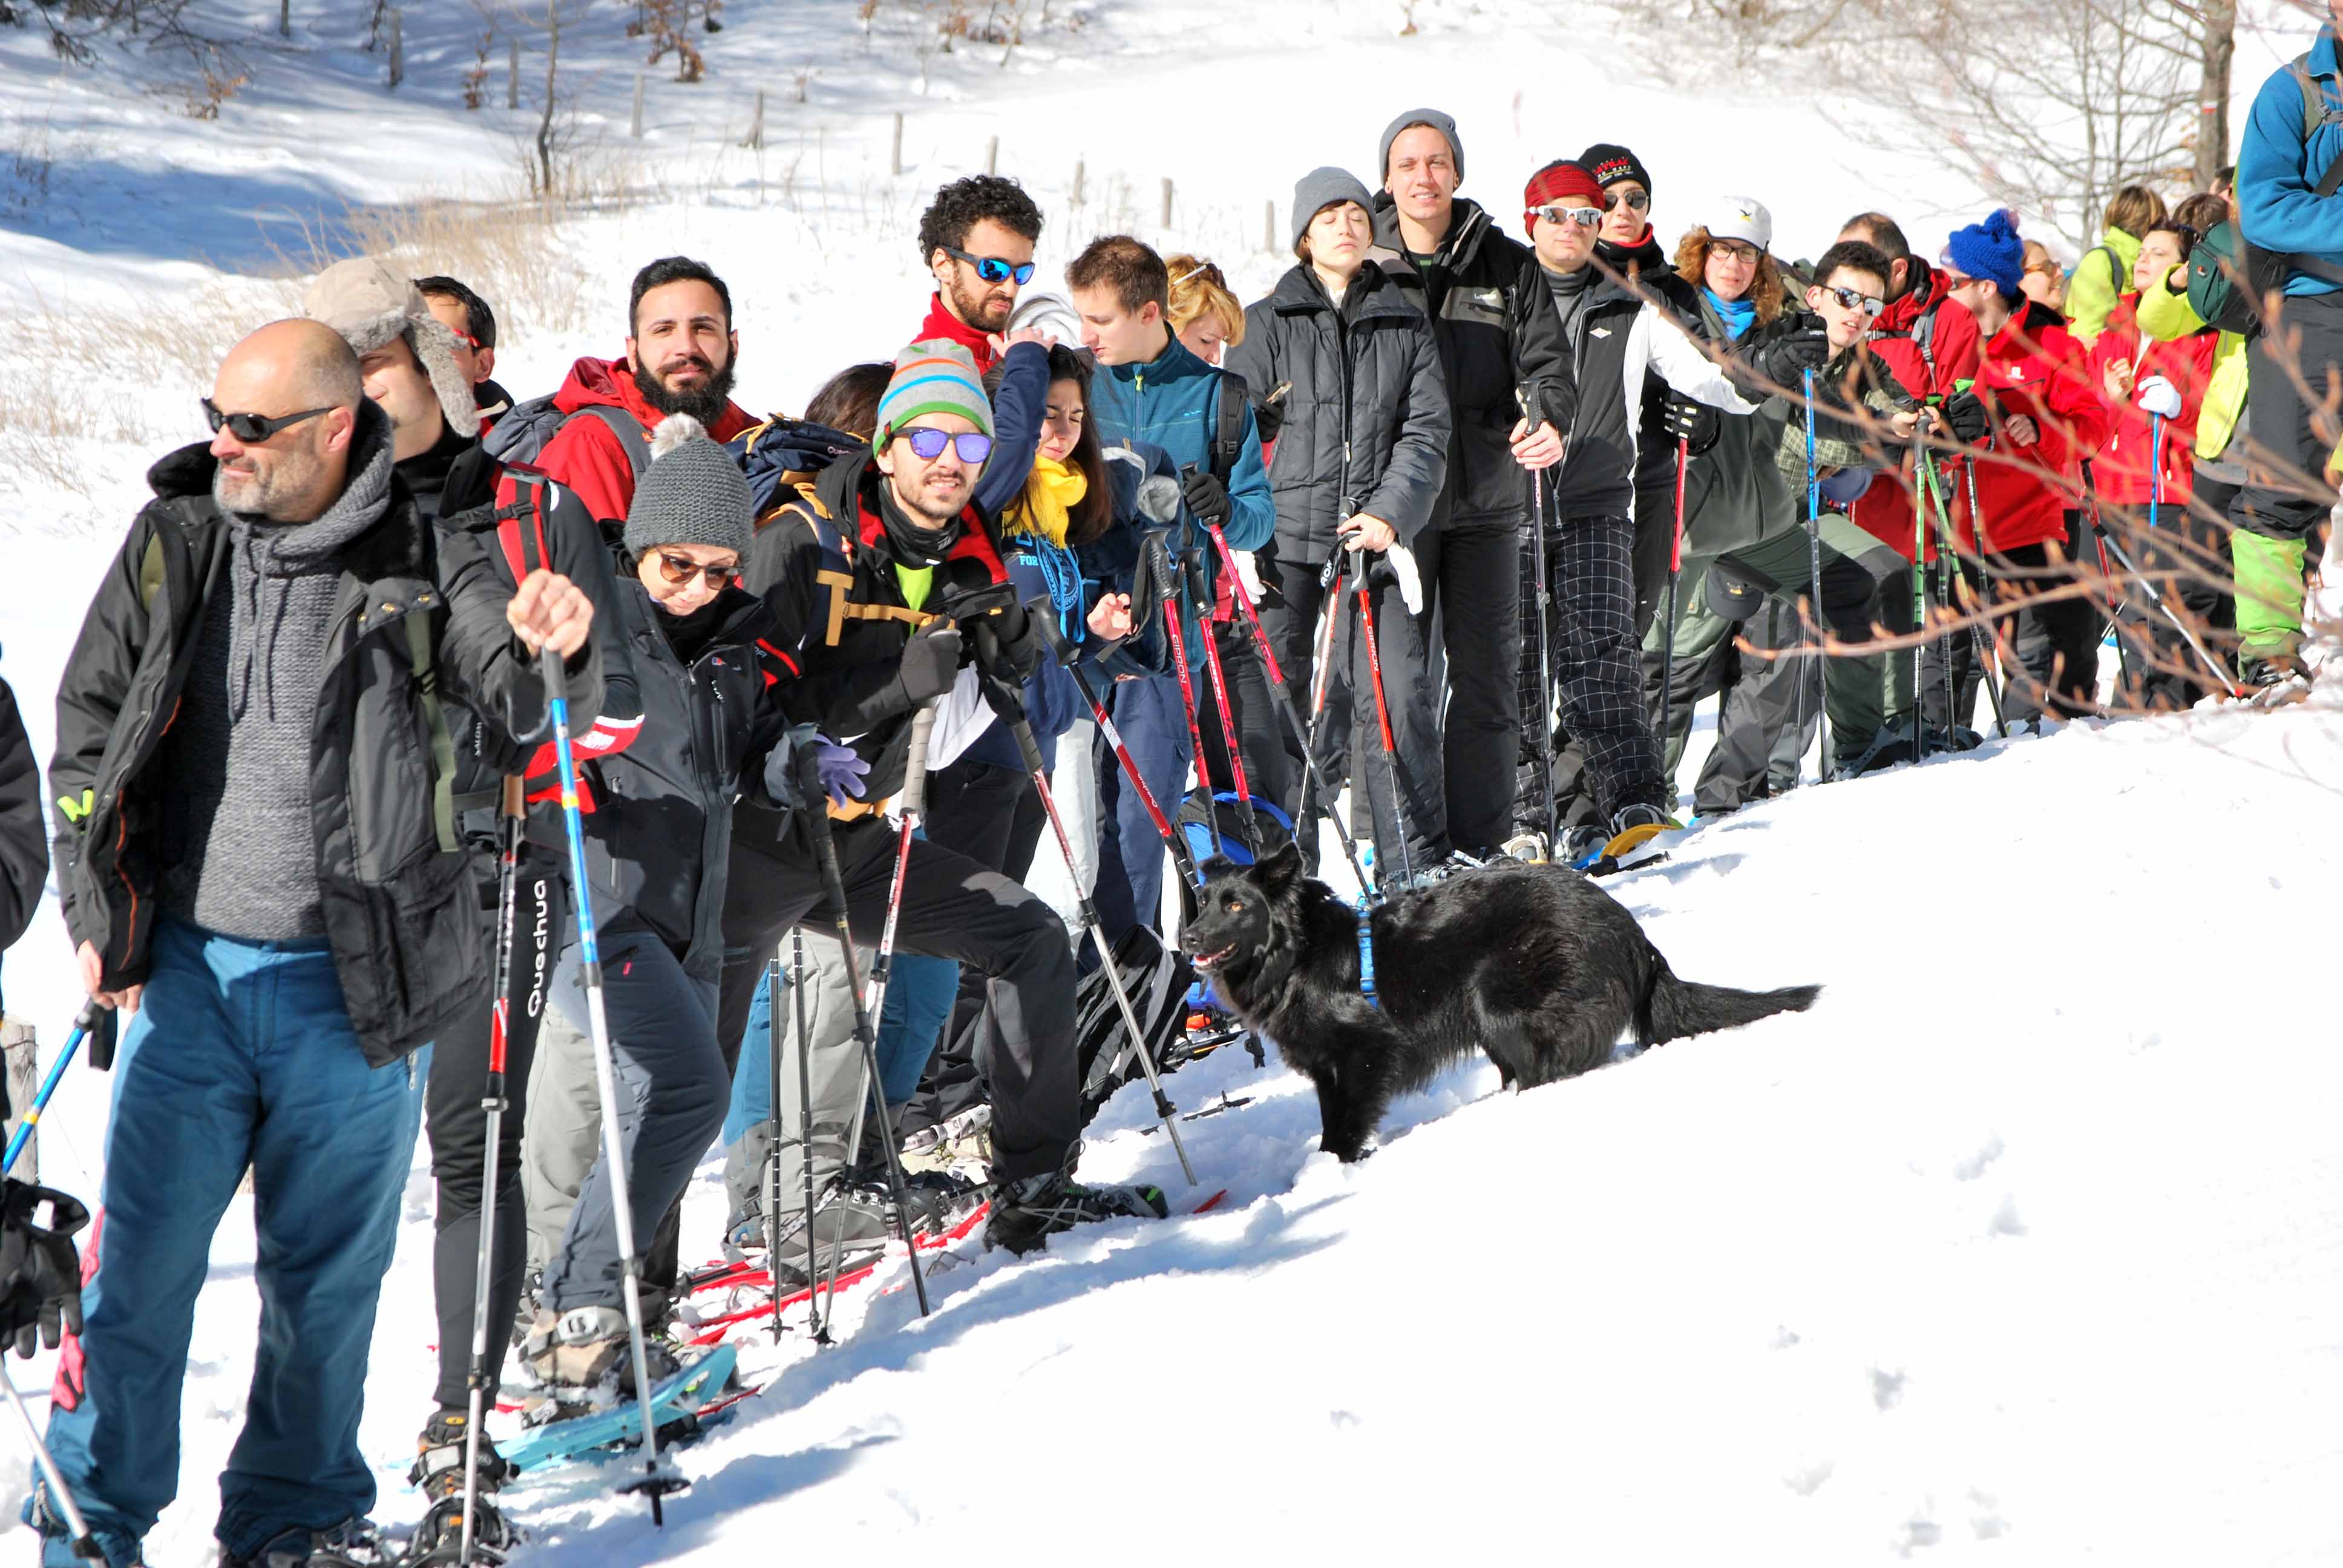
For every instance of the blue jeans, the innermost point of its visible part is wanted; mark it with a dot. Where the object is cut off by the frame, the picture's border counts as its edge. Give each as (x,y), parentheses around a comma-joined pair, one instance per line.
(919,1001)
(1153,719)
(242,1052)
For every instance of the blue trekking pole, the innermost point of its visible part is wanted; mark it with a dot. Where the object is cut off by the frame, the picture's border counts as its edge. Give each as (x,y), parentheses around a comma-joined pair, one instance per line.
(2155,465)
(89,1019)
(1814,594)
(657,1481)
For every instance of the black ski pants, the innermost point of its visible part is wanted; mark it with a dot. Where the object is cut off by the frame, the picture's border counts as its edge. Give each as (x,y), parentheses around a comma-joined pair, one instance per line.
(458,1124)
(1471,586)
(1349,739)
(2285,496)
(953,908)
(2057,650)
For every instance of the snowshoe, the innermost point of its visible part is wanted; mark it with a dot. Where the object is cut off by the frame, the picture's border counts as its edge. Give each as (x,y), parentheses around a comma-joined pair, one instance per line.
(961,1146)
(676,1399)
(1447,865)
(1527,846)
(2276,681)
(352,1543)
(1631,827)
(439,1471)
(1028,1211)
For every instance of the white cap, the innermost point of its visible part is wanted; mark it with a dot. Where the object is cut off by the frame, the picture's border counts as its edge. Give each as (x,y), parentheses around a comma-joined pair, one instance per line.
(1743,218)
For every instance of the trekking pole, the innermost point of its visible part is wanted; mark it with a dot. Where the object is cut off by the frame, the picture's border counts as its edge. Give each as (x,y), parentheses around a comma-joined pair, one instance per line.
(1064,653)
(1919,596)
(772,1174)
(2205,655)
(85,1544)
(1159,557)
(1228,720)
(1814,602)
(1668,637)
(1957,586)
(1382,717)
(657,1479)
(1991,631)
(1329,577)
(2155,465)
(91,1019)
(867,1009)
(2116,601)
(511,822)
(1278,688)
(1010,709)
(814,1317)
(1532,401)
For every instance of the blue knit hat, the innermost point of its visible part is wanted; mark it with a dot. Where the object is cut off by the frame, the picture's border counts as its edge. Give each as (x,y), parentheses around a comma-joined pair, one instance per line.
(1991,250)
(937,377)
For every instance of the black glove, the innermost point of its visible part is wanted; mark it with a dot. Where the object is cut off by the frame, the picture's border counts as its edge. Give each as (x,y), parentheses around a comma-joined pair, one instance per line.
(931,661)
(40,1272)
(1785,360)
(1970,421)
(1688,421)
(1206,496)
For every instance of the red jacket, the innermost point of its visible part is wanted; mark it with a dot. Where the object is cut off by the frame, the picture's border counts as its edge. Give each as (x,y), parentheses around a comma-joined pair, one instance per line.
(2034,368)
(1885,509)
(2121,468)
(584,458)
(941,323)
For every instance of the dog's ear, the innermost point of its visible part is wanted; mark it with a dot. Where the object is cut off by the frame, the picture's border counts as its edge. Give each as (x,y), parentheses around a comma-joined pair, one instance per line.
(1280,870)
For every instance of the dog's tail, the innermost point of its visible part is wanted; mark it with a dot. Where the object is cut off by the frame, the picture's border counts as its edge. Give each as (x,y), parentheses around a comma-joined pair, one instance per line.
(1676,1008)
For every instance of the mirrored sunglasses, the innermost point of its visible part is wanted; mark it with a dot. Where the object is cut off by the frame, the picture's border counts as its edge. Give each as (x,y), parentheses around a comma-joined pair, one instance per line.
(1554,212)
(992,269)
(679,571)
(927,445)
(1850,300)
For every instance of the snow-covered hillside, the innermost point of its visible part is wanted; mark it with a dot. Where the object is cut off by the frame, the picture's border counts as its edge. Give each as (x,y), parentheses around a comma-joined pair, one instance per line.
(2025,1246)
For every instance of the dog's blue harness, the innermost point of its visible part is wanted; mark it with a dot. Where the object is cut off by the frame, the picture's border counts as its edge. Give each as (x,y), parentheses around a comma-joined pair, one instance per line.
(1367,952)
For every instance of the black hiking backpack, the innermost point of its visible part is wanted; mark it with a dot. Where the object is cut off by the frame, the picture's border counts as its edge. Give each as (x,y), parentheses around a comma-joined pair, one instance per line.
(524,433)
(2230,279)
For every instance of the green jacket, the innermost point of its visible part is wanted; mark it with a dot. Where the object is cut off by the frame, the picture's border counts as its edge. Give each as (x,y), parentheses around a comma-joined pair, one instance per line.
(1734,495)
(2093,291)
(2166,315)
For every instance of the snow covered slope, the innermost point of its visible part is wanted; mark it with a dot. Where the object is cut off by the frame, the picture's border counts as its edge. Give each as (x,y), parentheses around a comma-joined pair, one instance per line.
(2022,1247)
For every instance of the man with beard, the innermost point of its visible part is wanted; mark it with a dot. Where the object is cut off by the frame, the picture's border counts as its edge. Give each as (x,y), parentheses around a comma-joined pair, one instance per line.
(680,355)
(977,237)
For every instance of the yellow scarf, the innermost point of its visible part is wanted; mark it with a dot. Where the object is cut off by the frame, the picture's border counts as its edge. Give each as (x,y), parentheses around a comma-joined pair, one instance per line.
(1050,493)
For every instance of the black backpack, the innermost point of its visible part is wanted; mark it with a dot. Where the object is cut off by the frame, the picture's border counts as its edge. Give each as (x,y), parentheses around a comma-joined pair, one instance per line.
(2230,280)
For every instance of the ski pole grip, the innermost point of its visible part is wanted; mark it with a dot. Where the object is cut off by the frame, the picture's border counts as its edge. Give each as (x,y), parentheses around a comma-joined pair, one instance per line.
(1532,401)
(103,1031)
(913,799)
(515,801)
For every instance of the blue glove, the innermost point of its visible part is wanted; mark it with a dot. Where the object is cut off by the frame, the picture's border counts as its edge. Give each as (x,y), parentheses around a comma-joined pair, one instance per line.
(837,770)
(840,768)
(1846,487)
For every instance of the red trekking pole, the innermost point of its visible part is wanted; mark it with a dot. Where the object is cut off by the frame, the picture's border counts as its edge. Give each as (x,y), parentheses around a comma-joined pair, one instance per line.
(1382,717)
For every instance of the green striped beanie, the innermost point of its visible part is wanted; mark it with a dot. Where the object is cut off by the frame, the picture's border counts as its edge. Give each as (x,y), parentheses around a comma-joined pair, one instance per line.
(937,377)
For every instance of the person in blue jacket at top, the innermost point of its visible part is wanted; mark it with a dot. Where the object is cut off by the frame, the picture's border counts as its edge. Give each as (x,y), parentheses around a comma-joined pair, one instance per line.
(2288,204)
(1155,391)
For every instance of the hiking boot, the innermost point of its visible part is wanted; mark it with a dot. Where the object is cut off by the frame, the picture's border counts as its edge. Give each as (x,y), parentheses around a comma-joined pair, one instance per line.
(439,1471)
(352,1543)
(1027,1211)
(585,1359)
(1893,745)
(1439,870)
(2276,680)
(1583,845)
(961,1146)
(1527,846)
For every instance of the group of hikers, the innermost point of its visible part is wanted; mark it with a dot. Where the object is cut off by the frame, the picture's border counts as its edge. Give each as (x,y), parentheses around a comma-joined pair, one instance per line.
(1463,522)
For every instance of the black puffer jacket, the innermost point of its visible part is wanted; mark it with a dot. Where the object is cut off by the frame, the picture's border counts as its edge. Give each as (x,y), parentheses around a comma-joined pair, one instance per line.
(23,845)
(407,935)
(1367,420)
(1497,331)
(712,685)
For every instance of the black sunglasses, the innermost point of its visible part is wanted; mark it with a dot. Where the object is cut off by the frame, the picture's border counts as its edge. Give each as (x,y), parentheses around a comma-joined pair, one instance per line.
(992,269)
(256,427)
(1640,200)
(1855,300)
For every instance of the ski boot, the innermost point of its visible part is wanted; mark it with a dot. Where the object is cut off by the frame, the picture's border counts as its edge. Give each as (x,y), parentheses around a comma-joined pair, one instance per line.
(439,1470)
(1029,1211)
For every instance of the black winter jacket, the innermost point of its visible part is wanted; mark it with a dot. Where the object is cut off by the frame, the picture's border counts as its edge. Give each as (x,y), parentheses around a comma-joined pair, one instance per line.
(712,690)
(1366,425)
(405,930)
(24,842)
(1497,331)
(1596,478)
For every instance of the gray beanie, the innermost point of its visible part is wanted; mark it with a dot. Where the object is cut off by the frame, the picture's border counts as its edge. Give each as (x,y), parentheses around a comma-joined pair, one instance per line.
(1445,125)
(369,303)
(1318,189)
(692,492)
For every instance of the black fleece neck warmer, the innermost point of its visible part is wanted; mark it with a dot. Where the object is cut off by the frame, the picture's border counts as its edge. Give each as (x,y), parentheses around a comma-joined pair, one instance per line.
(909,539)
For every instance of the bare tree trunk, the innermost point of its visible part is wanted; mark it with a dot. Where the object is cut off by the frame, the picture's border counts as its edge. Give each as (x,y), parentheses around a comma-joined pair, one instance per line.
(2220,41)
(285,18)
(545,121)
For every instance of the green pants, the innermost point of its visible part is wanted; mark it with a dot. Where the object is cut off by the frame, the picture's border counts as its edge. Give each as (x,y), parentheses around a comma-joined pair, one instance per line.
(1863,582)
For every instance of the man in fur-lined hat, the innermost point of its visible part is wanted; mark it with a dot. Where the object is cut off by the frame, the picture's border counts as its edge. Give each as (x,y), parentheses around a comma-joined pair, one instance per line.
(408,358)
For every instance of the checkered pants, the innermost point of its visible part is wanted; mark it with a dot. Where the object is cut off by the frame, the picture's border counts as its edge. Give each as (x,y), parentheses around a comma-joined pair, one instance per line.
(1593,656)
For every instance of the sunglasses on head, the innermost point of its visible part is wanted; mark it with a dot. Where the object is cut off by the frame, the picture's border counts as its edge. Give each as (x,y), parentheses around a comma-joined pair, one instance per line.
(1639,200)
(256,427)
(679,571)
(927,445)
(992,269)
(1855,300)
(1554,212)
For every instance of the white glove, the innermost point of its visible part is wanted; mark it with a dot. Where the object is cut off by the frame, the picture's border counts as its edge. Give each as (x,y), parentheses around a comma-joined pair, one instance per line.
(1248,574)
(1411,580)
(2159,396)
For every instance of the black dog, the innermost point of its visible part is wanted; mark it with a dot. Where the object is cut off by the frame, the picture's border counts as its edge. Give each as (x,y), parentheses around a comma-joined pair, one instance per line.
(1534,965)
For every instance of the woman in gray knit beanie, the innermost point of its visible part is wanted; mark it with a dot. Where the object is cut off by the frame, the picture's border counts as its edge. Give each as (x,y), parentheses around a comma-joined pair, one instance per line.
(714,680)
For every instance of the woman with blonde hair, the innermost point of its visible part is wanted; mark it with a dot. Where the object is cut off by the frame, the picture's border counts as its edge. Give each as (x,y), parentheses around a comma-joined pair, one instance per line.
(1205,317)
(2045,281)
(2104,274)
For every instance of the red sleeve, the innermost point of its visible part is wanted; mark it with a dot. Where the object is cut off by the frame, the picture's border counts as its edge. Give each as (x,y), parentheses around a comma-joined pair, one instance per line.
(2074,399)
(1958,347)
(585,458)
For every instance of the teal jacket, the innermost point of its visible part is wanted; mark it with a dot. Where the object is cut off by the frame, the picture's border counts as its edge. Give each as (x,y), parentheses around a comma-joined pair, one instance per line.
(2278,171)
